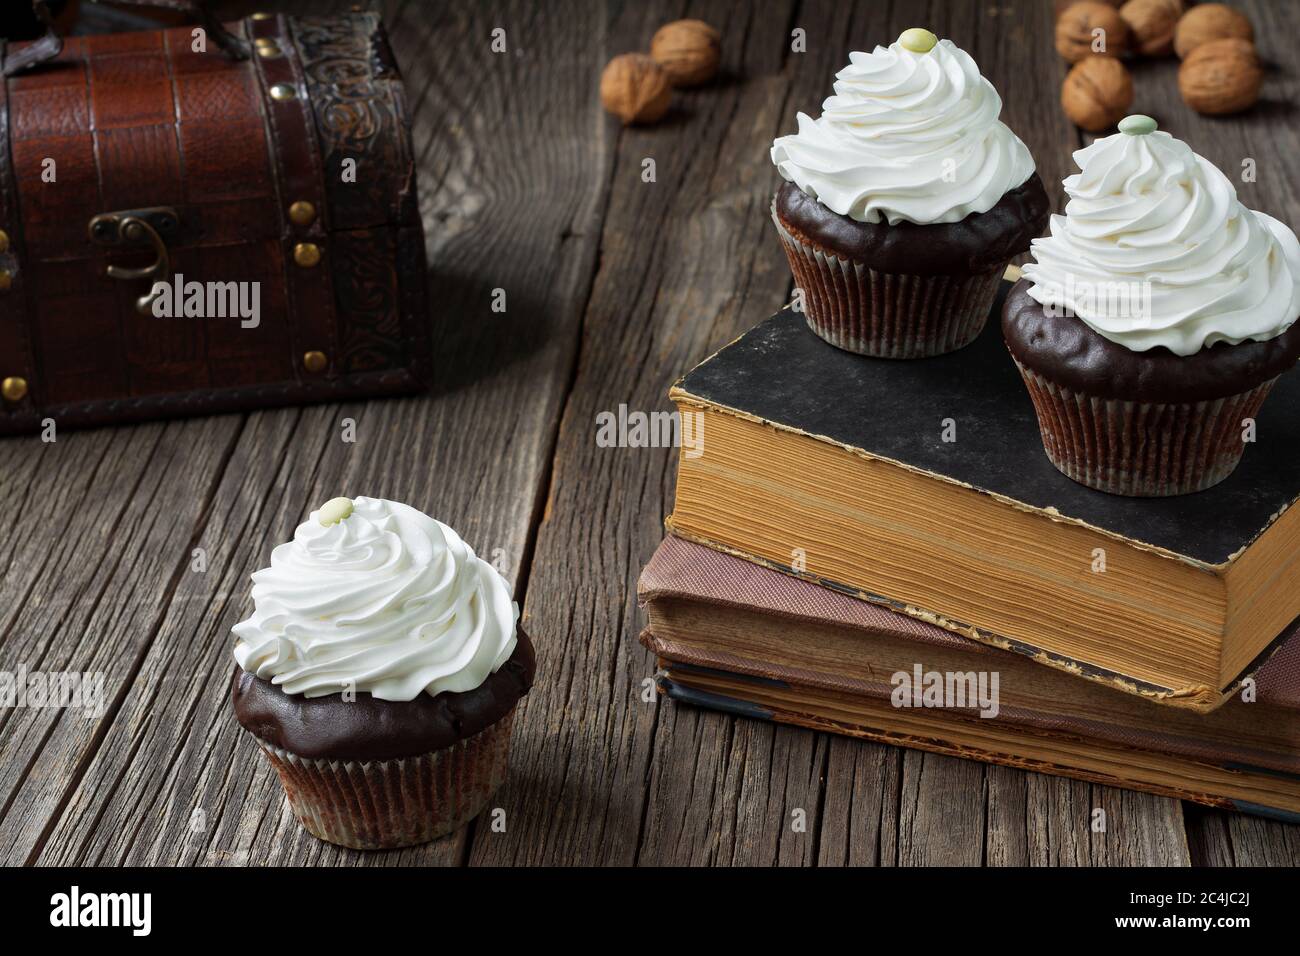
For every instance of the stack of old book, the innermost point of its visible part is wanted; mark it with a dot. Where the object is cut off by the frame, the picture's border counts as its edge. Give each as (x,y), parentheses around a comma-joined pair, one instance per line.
(881,549)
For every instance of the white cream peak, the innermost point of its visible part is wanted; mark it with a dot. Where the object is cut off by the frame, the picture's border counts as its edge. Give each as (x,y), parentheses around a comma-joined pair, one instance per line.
(384,600)
(910,134)
(1155,249)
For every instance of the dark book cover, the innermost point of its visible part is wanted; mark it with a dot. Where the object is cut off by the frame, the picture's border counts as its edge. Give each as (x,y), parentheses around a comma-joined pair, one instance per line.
(780,372)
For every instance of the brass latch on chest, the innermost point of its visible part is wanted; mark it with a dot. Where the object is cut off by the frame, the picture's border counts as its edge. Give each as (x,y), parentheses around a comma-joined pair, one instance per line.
(130,228)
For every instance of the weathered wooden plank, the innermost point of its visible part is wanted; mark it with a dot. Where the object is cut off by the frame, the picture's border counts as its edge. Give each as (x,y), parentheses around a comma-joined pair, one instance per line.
(1007,837)
(1221,838)
(754,798)
(511,192)
(1259,842)
(1039,820)
(106,518)
(691,821)
(1208,841)
(941,811)
(684,267)
(860,809)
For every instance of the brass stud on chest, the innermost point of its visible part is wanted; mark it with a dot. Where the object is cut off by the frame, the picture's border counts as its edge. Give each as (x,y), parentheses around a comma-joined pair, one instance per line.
(302,213)
(314,361)
(283,91)
(14,389)
(306,254)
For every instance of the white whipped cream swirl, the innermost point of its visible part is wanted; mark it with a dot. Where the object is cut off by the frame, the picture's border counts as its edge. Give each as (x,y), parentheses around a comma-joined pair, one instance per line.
(1148,215)
(907,136)
(387,601)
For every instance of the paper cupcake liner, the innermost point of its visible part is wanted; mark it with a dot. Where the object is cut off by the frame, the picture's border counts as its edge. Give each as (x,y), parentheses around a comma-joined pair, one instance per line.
(883,314)
(383,804)
(1141,449)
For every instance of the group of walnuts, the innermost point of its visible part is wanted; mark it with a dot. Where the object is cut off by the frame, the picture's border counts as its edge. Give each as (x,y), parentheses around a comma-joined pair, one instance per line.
(1220,72)
(638,88)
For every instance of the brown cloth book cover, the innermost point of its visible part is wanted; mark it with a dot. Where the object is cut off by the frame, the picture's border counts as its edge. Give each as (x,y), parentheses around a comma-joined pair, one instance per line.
(1239,743)
(690,570)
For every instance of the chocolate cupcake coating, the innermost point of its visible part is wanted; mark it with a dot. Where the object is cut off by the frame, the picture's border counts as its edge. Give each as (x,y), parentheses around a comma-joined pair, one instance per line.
(367,728)
(973,245)
(1065,350)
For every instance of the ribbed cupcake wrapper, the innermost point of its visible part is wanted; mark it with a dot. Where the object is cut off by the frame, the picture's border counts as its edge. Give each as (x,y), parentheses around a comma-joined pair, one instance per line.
(1141,449)
(383,804)
(883,314)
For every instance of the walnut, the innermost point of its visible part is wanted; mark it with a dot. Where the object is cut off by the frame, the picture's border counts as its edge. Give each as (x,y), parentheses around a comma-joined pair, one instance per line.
(1210,21)
(1222,76)
(688,50)
(635,88)
(1151,25)
(1097,93)
(1084,24)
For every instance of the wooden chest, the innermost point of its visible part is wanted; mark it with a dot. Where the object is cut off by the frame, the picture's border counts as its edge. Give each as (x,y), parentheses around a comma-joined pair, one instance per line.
(138,167)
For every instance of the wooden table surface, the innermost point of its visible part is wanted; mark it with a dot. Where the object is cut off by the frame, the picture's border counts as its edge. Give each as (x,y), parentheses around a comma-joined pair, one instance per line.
(614,286)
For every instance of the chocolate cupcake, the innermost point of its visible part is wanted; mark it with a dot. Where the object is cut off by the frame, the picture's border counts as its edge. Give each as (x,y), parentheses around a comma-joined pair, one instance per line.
(379,673)
(1155,318)
(904,201)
